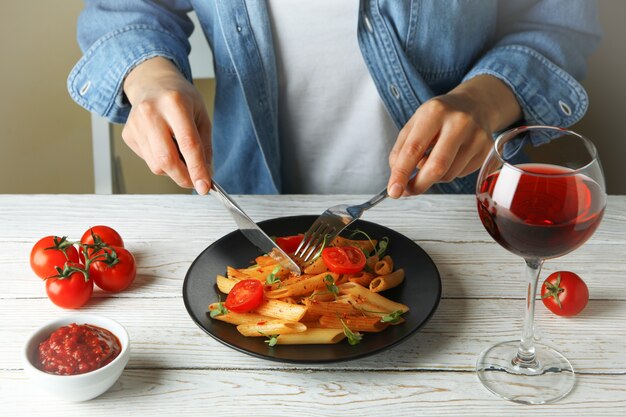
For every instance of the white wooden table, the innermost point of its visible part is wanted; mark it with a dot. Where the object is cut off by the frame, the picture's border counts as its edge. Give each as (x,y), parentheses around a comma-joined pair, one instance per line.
(176,369)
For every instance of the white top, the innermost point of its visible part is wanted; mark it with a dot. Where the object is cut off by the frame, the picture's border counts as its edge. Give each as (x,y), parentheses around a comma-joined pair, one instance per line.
(335,132)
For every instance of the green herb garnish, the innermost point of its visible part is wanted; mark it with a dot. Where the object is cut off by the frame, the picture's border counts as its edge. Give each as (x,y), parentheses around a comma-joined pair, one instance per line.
(330,285)
(392,317)
(354,233)
(271,339)
(353,337)
(219,311)
(272,278)
(319,252)
(382,247)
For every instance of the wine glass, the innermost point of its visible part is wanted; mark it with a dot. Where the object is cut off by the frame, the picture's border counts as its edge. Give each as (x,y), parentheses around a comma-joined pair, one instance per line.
(540,194)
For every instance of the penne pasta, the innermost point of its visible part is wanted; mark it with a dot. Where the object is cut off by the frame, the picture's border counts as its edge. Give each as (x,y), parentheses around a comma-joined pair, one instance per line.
(373,298)
(366,307)
(363,278)
(384,266)
(366,245)
(225,284)
(262,272)
(388,281)
(235,273)
(321,308)
(304,286)
(281,309)
(314,336)
(238,318)
(271,327)
(316,267)
(370,263)
(265,260)
(354,323)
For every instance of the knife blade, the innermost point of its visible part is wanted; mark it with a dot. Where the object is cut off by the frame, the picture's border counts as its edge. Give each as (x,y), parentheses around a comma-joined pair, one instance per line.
(253,232)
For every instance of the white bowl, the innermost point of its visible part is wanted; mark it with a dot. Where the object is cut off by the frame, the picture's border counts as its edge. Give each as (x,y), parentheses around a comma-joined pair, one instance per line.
(79,387)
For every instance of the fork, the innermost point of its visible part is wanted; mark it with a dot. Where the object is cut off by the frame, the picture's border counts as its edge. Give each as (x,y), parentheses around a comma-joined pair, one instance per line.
(332,222)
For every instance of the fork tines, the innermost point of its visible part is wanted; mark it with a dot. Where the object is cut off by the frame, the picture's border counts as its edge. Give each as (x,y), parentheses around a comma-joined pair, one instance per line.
(314,239)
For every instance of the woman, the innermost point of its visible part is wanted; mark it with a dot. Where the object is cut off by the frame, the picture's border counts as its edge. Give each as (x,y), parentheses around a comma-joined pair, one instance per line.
(332,96)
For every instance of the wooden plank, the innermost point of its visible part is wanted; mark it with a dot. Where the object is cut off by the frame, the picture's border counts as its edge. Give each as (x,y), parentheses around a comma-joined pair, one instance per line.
(164,336)
(192,392)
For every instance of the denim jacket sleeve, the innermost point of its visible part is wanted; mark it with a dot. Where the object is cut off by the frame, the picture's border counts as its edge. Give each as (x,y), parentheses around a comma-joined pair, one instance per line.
(540,54)
(117,35)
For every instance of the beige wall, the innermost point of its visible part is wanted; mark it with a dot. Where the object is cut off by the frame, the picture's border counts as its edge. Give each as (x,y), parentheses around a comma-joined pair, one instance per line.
(45,137)
(606,86)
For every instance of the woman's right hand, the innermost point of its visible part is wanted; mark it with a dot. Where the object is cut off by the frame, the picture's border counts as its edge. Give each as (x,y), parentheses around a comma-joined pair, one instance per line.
(168,119)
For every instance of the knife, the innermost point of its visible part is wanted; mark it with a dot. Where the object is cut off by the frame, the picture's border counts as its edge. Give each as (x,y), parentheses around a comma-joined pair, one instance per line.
(253,232)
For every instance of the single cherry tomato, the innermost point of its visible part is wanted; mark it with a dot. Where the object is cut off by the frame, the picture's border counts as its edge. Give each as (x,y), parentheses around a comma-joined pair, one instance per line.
(103,235)
(71,292)
(289,244)
(245,295)
(44,258)
(564,293)
(116,276)
(107,234)
(344,259)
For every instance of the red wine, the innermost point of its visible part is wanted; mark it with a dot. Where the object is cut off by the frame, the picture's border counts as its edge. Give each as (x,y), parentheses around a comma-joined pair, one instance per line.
(540,216)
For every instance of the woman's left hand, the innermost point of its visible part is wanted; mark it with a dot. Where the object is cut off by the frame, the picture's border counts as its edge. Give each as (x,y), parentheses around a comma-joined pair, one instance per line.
(449,136)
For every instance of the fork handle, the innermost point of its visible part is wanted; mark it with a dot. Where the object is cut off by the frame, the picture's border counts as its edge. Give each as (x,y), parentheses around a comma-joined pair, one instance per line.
(360,208)
(378,197)
(375,200)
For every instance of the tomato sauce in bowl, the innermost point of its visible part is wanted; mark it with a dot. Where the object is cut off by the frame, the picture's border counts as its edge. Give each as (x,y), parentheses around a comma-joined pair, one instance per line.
(77,349)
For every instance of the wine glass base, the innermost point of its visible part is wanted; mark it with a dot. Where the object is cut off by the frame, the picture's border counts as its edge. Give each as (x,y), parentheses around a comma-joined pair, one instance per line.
(549,379)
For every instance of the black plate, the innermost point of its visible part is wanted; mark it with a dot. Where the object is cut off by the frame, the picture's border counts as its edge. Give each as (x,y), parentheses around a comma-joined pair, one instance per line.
(421,291)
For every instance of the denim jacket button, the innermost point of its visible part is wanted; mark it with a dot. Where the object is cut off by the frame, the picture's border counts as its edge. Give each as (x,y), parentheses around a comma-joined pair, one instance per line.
(85,88)
(565,108)
(394,90)
(368,24)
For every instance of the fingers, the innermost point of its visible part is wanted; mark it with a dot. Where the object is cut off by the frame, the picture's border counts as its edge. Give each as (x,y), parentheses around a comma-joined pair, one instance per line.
(437,166)
(457,144)
(192,148)
(413,142)
(150,130)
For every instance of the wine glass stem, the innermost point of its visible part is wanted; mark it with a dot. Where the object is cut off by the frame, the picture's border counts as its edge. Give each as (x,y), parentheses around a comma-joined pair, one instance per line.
(526,352)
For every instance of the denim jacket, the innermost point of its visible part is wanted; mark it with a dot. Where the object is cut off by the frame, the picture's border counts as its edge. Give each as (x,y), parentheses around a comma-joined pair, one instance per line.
(414,50)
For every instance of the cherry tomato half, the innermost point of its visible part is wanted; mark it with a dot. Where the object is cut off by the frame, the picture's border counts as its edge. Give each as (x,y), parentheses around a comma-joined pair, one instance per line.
(44,258)
(245,295)
(564,293)
(344,259)
(289,244)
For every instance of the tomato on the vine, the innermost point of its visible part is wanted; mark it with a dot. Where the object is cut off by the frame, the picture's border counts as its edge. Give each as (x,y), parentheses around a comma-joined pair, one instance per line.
(107,234)
(245,295)
(564,293)
(72,291)
(344,259)
(99,235)
(44,258)
(113,268)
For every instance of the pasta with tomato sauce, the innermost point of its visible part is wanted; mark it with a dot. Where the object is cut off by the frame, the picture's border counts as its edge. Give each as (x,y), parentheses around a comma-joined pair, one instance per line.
(336,297)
